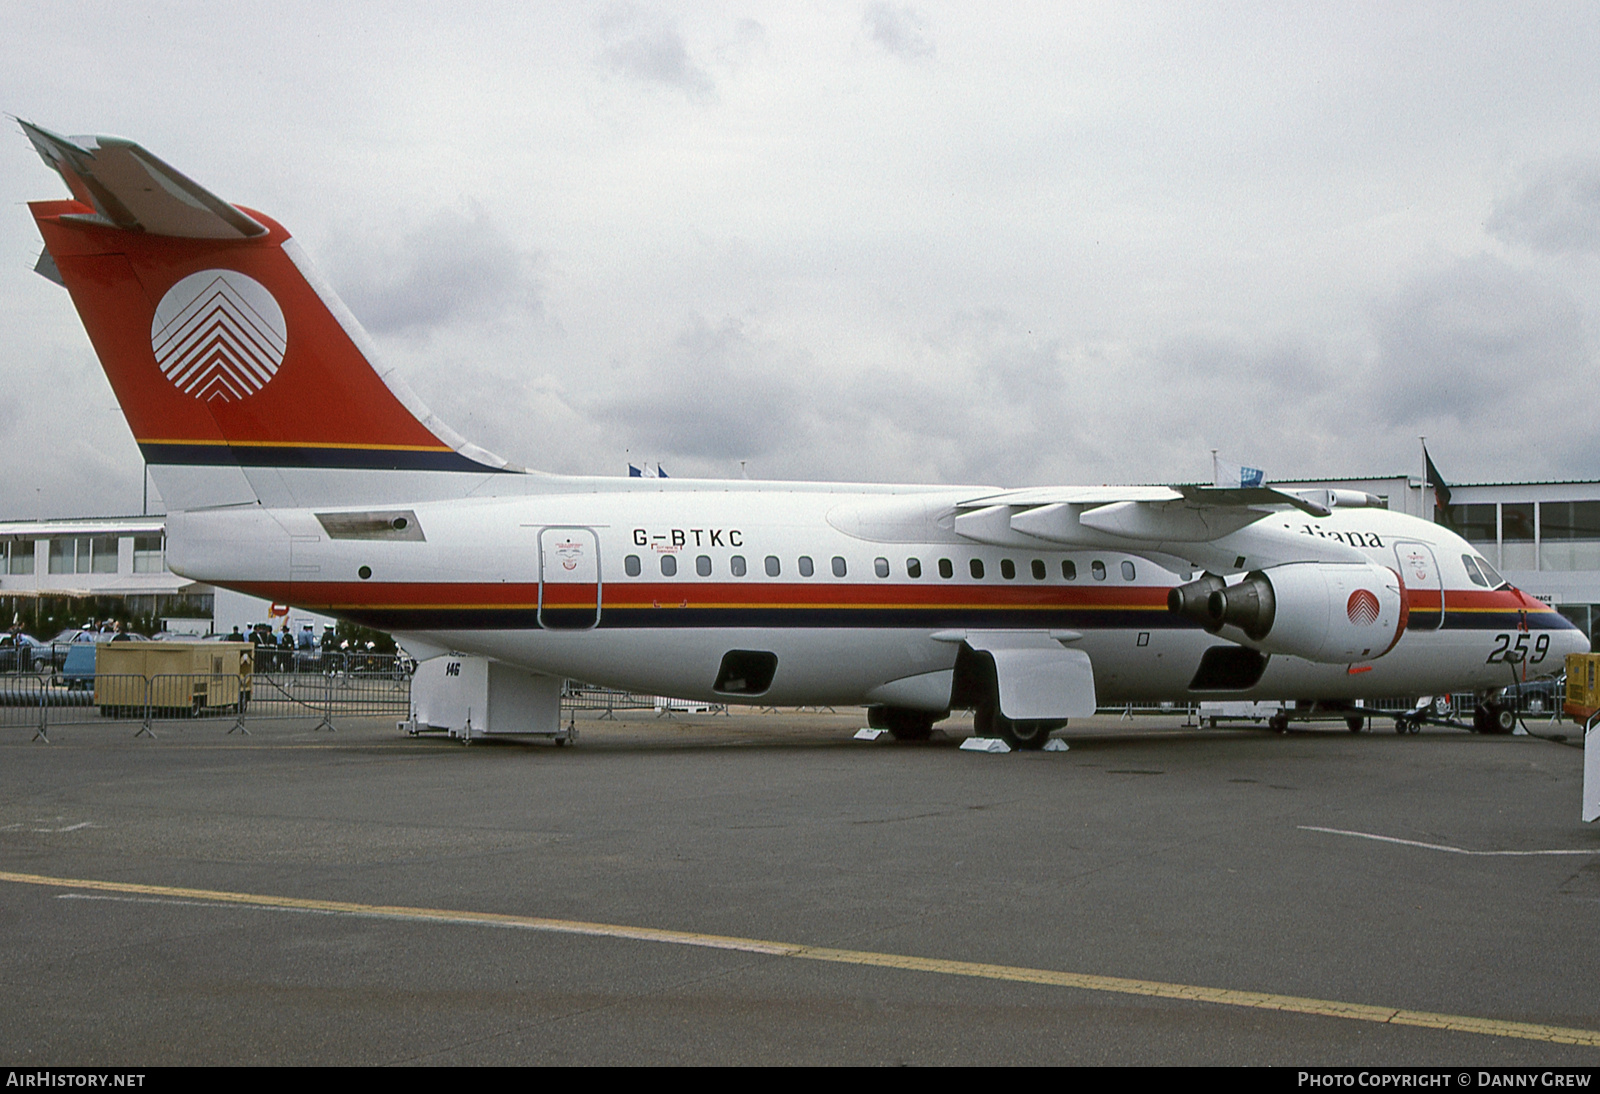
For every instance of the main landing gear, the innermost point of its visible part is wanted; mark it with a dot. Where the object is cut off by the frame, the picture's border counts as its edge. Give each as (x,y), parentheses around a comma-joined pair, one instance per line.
(1024,734)
(904,724)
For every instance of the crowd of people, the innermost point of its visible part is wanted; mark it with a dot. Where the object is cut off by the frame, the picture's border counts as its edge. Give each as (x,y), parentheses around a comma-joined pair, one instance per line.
(284,651)
(304,652)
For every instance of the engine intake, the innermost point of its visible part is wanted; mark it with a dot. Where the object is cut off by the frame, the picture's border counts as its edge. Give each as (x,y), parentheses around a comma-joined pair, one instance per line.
(1335,613)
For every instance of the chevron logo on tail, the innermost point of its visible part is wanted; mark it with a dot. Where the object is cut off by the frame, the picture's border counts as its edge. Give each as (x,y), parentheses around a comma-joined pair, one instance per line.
(218,334)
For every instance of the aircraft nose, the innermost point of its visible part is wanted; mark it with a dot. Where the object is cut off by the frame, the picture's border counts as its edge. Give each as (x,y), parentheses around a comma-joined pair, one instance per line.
(1570,639)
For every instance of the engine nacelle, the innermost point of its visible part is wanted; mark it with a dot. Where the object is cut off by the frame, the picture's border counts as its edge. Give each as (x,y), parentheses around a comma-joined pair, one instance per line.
(1331,612)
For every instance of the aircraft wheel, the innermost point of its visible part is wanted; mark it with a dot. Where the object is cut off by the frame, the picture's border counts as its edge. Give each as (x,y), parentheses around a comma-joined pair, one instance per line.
(1020,734)
(1024,734)
(1356,723)
(1500,719)
(908,725)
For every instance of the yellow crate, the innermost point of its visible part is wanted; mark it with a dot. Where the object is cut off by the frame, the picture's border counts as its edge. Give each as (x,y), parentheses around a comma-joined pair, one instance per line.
(177,675)
(1583,684)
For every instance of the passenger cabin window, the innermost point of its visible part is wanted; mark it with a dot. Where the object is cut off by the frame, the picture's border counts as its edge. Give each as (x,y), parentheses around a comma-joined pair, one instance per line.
(880,566)
(806,568)
(913,567)
(1038,569)
(946,570)
(1128,571)
(736,565)
(976,568)
(1008,569)
(838,566)
(631,565)
(669,565)
(702,565)
(773,567)
(1069,570)
(1098,569)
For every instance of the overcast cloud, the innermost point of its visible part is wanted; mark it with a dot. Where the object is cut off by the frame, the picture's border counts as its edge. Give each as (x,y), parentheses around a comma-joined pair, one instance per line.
(454,267)
(930,242)
(1556,209)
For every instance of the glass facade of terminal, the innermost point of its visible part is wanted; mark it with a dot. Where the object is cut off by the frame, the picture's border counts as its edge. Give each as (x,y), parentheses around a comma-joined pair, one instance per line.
(1532,535)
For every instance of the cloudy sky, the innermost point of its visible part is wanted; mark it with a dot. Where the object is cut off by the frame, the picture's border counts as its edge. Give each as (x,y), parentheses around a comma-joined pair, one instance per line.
(873,241)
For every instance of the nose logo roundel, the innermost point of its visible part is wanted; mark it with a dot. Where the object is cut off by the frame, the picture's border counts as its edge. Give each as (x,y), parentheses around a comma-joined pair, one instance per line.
(1362,608)
(218,334)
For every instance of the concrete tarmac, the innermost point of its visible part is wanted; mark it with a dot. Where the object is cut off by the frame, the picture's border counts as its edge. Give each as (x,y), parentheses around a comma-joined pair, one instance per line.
(764,889)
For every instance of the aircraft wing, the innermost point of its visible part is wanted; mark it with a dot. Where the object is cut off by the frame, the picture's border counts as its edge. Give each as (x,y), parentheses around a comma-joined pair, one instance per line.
(1316,502)
(131,189)
(1215,528)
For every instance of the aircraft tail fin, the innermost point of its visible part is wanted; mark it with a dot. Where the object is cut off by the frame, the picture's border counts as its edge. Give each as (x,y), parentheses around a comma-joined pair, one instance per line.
(242,375)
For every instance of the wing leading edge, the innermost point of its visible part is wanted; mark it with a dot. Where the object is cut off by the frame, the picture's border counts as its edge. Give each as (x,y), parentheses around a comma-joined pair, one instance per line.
(1218,529)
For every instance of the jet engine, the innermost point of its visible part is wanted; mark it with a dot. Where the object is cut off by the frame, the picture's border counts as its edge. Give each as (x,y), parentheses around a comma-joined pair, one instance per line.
(1335,613)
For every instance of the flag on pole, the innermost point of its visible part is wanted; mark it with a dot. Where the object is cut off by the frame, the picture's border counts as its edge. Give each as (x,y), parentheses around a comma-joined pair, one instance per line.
(1441,489)
(1233,476)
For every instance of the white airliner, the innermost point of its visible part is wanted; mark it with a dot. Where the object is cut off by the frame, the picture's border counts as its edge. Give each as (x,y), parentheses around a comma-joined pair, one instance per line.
(297,469)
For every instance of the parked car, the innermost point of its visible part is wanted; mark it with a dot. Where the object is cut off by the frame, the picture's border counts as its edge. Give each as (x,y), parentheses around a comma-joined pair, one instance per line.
(25,653)
(77,668)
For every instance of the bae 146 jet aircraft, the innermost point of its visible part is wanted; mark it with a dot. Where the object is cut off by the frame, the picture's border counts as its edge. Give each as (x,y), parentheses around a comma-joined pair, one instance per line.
(296,468)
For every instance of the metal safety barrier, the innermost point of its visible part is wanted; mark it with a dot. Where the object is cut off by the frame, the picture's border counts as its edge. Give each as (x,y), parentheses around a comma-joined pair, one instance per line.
(580,696)
(373,685)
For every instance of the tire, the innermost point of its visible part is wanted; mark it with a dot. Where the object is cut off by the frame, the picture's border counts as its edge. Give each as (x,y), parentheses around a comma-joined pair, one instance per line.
(1501,720)
(1278,723)
(1356,723)
(908,725)
(1400,724)
(1022,735)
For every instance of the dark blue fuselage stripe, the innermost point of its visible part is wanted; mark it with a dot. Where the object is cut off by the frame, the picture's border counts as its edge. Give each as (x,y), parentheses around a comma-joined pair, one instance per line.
(381,459)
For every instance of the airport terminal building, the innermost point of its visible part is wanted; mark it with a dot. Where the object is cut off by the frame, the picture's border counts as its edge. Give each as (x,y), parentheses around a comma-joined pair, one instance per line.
(1543,536)
(55,573)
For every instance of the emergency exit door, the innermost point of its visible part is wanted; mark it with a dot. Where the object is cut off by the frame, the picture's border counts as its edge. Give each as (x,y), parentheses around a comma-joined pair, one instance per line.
(569,578)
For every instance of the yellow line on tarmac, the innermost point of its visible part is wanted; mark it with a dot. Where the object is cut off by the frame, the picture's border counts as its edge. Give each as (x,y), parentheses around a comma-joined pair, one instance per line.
(1157,989)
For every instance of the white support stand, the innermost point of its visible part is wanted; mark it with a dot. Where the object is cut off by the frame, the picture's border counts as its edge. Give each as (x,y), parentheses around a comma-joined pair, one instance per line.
(467,698)
(1591,770)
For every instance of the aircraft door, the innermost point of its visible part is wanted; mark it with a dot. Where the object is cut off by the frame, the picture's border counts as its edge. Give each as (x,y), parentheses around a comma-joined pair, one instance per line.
(1419,572)
(569,578)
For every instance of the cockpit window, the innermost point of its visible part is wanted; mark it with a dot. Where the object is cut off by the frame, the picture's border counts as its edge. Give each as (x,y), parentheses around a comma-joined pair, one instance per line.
(1473,572)
(1489,572)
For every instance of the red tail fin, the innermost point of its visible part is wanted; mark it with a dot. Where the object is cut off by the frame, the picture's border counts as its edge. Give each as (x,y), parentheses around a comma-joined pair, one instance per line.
(223,345)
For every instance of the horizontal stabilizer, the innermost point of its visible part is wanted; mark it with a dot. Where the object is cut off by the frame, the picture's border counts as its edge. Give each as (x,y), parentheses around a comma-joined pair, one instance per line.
(131,189)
